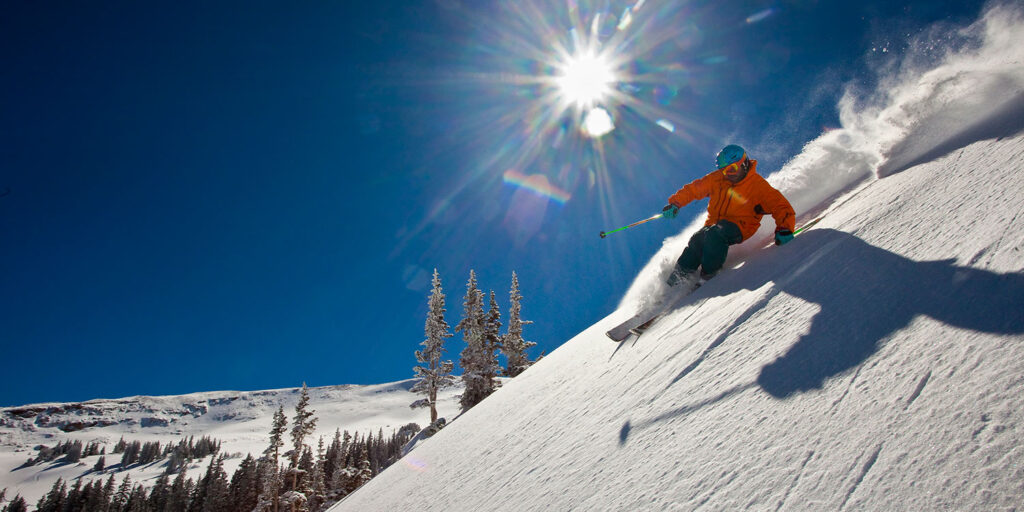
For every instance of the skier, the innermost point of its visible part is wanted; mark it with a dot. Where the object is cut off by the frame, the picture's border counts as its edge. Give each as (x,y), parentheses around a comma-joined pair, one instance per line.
(739,198)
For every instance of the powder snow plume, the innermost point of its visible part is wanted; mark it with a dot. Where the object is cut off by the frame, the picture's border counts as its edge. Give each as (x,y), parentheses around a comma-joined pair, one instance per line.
(954,86)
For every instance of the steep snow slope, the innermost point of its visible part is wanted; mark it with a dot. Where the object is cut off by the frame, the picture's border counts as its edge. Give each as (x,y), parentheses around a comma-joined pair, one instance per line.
(875,363)
(240,420)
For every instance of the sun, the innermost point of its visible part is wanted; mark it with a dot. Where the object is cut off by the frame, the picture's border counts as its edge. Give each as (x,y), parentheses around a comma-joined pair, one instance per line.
(586,79)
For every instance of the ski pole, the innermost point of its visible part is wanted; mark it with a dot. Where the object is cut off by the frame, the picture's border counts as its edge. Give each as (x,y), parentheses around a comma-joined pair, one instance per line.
(637,223)
(805,226)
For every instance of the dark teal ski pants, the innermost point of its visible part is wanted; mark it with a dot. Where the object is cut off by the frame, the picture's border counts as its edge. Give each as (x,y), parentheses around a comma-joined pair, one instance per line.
(708,248)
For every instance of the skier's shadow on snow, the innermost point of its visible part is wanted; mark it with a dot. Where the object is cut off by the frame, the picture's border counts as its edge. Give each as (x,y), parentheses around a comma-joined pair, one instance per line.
(866,294)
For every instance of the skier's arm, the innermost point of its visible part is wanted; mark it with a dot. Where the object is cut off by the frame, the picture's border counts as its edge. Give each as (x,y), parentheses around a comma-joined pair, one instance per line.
(698,189)
(781,210)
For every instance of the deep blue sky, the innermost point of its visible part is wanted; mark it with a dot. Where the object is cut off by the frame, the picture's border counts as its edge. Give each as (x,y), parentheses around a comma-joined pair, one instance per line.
(252,195)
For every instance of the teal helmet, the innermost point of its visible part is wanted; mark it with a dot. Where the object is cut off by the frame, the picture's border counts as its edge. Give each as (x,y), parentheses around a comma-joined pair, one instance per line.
(729,154)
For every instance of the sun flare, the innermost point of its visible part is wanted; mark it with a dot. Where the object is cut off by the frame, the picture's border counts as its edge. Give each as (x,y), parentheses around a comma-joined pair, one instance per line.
(586,79)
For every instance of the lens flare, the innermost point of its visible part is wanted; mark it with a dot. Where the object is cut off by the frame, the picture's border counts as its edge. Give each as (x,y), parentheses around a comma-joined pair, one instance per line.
(536,96)
(536,183)
(761,15)
(586,79)
(598,123)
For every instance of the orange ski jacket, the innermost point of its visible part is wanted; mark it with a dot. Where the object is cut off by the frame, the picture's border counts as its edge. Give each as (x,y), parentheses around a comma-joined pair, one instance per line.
(743,203)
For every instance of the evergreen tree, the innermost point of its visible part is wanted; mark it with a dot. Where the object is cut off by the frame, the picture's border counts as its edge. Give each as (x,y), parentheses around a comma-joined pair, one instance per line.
(93,496)
(158,496)
(100,464)
(492,344)
(364,472)
(474,359)
(277,429)
(317,485)
(435,374)
(513,345)
(342,474)
(211,494)
(73,501)
(54,500)
(271,477)
(303,425)
(120,498)
(244,487)
(18,504)
(178,498)
(137,500)
(331,455)
(74,452)
(109,489)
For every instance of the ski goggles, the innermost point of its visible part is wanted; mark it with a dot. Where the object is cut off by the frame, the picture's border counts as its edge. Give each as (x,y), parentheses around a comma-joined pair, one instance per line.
(734,168)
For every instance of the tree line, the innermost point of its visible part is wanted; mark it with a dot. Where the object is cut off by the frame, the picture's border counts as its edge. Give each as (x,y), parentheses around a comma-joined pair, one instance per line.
(479,360)
(299,480)
(288,476)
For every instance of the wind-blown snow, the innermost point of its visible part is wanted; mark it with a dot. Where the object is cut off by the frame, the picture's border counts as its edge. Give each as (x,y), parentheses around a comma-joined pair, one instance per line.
(874,363)
(959,87)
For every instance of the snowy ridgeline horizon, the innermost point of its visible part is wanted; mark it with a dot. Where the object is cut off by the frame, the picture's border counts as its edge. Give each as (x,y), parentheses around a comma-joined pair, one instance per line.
(144,438)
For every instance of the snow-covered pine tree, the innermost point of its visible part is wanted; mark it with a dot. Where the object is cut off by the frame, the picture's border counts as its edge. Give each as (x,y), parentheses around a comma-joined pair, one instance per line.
(493,339)
(513,344)
(211,493)
(244,486)
(120,498)
(342,474)
(365,471)
(434,374)
(18,504)
(54,500)
(474,361)
(303,424)
(271,476)
(178,497)
(109,489)
(277,428)
(137,502)
(318,484)
(158,494)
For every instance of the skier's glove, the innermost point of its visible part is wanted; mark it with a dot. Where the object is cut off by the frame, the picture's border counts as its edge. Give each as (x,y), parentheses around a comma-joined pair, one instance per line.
(670,211)
(782,236)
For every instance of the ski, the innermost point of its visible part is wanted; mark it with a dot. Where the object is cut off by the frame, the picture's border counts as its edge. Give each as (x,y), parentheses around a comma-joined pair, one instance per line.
(622,331)
(645,318)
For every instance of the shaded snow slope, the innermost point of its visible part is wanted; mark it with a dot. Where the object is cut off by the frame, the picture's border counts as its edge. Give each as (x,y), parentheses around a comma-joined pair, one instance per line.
(875,363)
(240,420)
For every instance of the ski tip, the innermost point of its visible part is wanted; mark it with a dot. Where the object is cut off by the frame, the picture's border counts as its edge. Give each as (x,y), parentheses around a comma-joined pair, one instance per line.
(615,338)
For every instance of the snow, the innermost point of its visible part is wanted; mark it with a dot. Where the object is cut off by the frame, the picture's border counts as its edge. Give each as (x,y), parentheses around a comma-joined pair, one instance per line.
(874,363)
(240,420)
